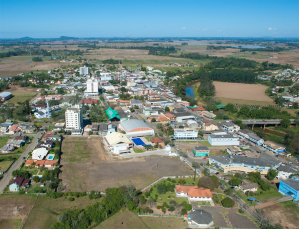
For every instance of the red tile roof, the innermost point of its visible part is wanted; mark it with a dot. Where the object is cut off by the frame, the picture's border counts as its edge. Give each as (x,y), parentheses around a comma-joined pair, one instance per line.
(168,115)
(156,140)
(89,101)
(20,181)
(193,191)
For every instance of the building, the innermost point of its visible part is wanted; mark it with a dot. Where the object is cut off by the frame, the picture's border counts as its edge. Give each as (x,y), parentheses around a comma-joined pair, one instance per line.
(59,126)
(92,87)
(201,151)
(251,136)
(84,71)
(158,141)
(7,148)
(223,139)
(285,171)
(207,114)
(229,163)
(289,187)
(209,126)
(231,127)
(5,96)
(39,153)
(74,120)
(112,114)
(89,102)
(187,133)
(275,148)
(193,193)
(149,112)
(118,143)
(199,219)
(192,124)
(136,102)
(136,128)
(182,116)
(248,186)
(17,183)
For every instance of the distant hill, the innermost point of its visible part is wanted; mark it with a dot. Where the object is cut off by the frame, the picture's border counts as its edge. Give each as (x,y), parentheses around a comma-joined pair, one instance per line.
(66,38)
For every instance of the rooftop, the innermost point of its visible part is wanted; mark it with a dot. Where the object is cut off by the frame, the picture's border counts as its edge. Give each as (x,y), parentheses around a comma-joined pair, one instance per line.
(133,124)
(292,183)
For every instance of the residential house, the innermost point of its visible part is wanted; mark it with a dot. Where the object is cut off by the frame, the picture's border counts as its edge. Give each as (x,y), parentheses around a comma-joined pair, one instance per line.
(17,183)
(39,153)
(158,141)
(89,102)
(171,117)
(290,187)
(231,127)
(201,151)
(229,163)
(209,126)
(59,126)
(199,219)
(248,186)
(13,129)
(149,112)
(16,143)
(193,193)
(207,114)
(136,102)
(7,148)
(95,127)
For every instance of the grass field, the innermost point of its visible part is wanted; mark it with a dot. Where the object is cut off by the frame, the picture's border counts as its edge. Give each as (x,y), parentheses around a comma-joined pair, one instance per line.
(4,165)
(21,94)
(129,220)
(46,210)
(3,140)
(269,196)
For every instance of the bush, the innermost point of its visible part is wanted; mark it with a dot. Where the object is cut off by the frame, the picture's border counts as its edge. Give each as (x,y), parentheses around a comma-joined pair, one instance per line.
(208,182)
(227,202)
(241,211)
(71,199)
(184,211)
(161,188)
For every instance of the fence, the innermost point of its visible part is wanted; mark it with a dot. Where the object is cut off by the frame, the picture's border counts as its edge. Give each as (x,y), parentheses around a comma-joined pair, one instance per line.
(190,165)
(158,215)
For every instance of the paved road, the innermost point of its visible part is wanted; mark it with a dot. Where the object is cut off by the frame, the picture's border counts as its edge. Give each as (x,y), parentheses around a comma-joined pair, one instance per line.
(144,154)
(7,176)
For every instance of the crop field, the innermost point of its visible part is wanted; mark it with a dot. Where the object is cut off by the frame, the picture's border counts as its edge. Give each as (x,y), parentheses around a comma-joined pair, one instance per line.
(239,93)
(86,167)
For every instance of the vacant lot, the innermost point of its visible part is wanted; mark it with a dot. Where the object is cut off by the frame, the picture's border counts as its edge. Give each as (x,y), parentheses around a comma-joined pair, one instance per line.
(129,220)
(46,210)
(14,209)
(86,167)
(21,94)
(4,165)
(239,93)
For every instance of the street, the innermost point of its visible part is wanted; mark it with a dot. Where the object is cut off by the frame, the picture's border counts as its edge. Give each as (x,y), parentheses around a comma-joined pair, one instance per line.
(7,176)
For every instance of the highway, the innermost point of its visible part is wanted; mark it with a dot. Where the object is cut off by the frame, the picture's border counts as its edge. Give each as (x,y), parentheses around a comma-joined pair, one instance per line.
(265,121)
(7,176)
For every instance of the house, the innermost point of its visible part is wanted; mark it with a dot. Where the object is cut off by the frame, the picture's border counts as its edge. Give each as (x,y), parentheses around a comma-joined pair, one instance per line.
(229,163)
(201,151)
(199,219)
(39,153)
(223,139)
(95,127)
(17,183)
(27,127)
(16,143)
(274,147)
(89,102)
(40,163)
(231,127)
(171,117)
(158,141)
(209,126)
(192,124)
(187,133)
(13,129)
(136,128)
(207,114)
(248,186)
(118,143)
(149,112)
(39,107)
(193,193)
(162,119)
(47,144)
(290,187)
(285,171)
(136,102)
(59,126)
(7,149)
(251,136)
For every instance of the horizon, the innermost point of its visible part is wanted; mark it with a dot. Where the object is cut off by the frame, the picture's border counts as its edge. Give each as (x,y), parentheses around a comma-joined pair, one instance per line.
(177,18)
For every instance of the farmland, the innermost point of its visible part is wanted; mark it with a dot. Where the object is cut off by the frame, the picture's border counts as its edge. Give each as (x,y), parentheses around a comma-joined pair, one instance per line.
(91,168)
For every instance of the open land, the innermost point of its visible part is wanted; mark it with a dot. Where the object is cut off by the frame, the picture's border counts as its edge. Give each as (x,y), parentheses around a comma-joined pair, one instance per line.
(86,167)
(21,94)
(129,220)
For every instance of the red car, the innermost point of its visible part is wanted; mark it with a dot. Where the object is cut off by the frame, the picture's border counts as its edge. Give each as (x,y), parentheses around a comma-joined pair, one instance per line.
(244,154)
(272,183)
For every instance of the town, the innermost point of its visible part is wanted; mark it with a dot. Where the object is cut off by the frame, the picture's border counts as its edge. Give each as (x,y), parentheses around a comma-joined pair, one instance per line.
(100,126)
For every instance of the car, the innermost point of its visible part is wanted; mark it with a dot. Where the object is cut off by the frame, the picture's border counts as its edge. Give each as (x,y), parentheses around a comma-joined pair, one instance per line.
(272,183)
(244,154)
(24,158)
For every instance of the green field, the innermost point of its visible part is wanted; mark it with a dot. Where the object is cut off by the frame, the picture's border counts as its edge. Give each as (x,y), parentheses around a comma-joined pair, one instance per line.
(21,97)
(4,165)
(3,140)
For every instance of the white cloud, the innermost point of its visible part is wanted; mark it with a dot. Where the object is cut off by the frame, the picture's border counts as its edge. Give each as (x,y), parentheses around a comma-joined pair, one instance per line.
(219,30)
(184,28)
(205,29)
(275,29)
(269,28)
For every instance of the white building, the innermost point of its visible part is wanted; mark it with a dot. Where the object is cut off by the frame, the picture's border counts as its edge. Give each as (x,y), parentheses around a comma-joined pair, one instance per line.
(84,71)
(187,133)
(194,193)
(118,143)
(92,87)
(136,128)
(223,139)
(105,77)
(285,171)
(39,154)
(74,120)
(231,127)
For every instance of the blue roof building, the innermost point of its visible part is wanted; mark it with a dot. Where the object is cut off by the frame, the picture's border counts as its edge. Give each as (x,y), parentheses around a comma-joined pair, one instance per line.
(290,187)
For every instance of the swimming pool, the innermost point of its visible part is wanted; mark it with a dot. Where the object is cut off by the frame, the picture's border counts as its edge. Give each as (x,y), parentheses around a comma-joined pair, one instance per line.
(138,142)
(51,157)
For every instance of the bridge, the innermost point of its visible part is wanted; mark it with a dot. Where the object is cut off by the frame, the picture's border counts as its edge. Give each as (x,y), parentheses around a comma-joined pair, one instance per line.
(265,122)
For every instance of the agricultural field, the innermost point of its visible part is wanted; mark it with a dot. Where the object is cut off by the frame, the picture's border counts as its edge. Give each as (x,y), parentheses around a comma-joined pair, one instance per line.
(129,220)
(86,167)
(239,93)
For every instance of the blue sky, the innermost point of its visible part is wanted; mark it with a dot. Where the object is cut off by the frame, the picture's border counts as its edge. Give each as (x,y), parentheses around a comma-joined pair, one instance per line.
(154,18)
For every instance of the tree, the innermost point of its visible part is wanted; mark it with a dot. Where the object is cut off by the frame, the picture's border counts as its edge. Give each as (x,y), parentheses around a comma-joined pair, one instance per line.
(227,202)
(167,109)
(208,182)
(235,182)
(195,165)
(272,174)
(206,172)
(244,111)
(36,179)
(229,107)
(153,120)
(123,89)
(285,123)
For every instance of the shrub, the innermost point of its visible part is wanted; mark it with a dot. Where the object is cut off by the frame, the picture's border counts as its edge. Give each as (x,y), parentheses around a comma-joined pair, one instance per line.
(71,199)
(227,202)
(158,207)
(171,208)
(184,211)
(241,211)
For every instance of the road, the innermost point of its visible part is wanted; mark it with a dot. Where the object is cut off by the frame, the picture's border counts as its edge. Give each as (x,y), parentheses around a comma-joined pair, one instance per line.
(7,176)
(144,154)
(265,122)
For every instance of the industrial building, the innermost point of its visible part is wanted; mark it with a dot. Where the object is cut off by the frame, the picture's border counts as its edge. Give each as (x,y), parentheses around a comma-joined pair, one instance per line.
(5,96)
(136,128)
(118,143)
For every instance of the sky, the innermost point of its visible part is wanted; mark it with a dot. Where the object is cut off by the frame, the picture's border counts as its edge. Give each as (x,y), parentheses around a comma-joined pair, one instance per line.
(149,18)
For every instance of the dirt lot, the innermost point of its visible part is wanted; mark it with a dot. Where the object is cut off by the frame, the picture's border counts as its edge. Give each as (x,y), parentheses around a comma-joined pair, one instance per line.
(86,167)
(14,209)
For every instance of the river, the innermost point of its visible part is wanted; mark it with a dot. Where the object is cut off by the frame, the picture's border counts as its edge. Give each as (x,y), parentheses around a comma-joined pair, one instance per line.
(189,91)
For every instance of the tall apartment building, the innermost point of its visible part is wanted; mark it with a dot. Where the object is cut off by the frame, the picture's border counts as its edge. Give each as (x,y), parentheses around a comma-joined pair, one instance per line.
(92,87)
(84,70)
(74,120)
